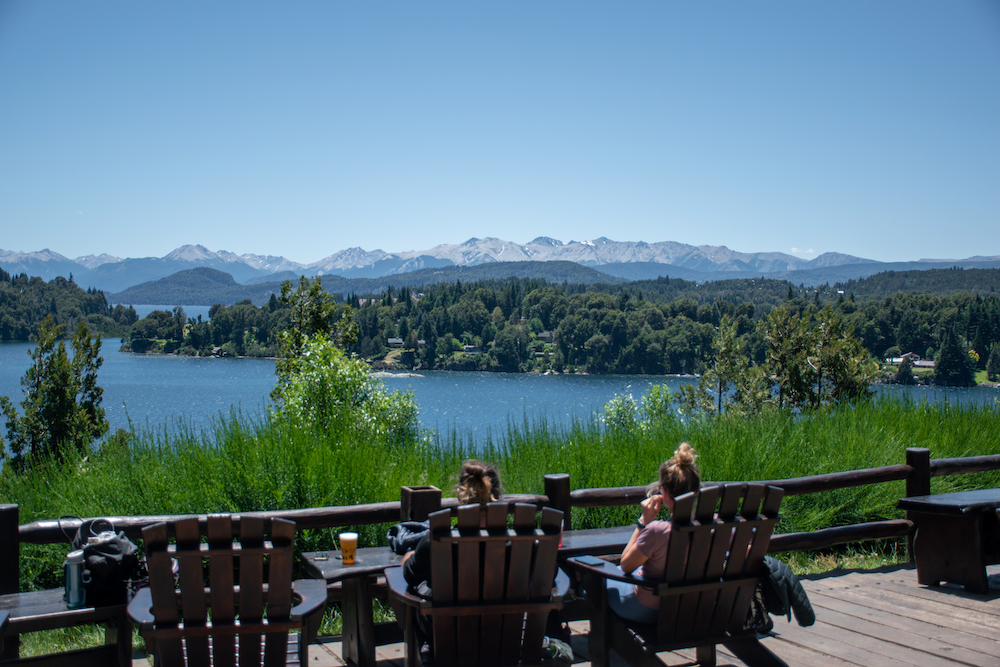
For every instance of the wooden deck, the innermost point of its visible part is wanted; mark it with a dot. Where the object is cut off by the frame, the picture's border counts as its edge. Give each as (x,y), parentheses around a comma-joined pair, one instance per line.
(867,618)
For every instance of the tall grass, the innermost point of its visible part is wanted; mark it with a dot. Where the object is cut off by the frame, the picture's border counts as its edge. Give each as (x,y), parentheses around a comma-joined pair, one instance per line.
(243,463)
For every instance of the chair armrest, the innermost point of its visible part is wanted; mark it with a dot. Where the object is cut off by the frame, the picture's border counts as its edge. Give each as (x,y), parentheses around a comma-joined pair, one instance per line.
(399,589)
(560,588)
(313,597)
(140,609)
(609,570)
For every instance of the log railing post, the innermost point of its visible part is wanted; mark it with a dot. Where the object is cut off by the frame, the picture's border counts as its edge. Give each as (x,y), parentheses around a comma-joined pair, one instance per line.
(918,483)
(10,550)
(416,502)
(557,488)
(10,570)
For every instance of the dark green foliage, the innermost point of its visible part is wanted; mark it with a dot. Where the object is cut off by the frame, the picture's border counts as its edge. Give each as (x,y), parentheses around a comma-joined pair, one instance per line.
(62,401)
(25,301)
(940,282)
(953,366)
(993,365)
(656,326)
(905,373)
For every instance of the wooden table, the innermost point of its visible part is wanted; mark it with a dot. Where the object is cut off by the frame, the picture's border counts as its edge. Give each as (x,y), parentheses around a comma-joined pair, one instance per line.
(595,541)
(360,635)
(958,535)
(46,610)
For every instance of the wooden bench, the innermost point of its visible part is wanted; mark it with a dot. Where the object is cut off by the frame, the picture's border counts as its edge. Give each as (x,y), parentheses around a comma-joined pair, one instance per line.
(957,536)
(36,611)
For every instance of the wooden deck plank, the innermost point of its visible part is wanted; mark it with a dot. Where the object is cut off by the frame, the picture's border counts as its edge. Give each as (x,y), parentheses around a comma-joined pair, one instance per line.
(920,627)
(889,600)
(904,579)
(986,604)
(826,640)
(791,653)
(931,651)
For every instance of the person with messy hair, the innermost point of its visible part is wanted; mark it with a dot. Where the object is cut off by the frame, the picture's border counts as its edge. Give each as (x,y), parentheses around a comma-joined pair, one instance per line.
(478,482)
(646,551)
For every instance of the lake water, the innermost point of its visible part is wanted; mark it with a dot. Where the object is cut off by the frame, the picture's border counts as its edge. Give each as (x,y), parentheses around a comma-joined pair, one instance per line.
(159,390)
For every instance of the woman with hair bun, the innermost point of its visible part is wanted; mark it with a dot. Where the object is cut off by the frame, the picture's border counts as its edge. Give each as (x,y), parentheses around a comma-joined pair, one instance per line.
(478,482)
(647,549)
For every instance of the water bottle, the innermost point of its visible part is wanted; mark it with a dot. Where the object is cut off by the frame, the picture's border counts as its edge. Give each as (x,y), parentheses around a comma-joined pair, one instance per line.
(75,595)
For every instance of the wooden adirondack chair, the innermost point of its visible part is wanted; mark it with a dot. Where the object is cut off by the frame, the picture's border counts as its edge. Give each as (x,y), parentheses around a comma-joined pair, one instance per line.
(223,624)
(715,559)
(492,586)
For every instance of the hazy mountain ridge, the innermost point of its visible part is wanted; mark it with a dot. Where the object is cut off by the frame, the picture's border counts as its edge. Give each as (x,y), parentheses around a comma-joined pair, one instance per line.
(634,260)
(205,286)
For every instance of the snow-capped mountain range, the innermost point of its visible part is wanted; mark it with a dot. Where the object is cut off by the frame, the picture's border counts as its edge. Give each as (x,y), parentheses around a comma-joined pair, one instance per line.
(632,259)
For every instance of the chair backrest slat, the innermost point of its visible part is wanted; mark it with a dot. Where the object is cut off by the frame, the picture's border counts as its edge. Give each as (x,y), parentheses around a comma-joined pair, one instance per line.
(467,581)
(443,588)
(279,589)
(191,578)
(220,537)
(161,583)
(494,562)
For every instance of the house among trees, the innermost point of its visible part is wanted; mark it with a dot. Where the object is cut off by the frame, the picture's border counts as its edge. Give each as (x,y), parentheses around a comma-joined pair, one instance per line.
(395,342)
(914,359)
(545,336)
(472,349)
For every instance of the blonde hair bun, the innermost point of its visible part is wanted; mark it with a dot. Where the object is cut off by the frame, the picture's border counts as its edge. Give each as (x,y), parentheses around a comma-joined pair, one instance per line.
(685,455)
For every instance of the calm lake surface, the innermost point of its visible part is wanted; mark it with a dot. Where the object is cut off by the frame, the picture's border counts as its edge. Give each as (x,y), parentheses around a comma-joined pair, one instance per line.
(160,391)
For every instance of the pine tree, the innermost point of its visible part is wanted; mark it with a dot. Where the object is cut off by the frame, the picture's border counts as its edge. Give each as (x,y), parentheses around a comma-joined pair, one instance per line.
(62,400)
(993,365)
(953,367)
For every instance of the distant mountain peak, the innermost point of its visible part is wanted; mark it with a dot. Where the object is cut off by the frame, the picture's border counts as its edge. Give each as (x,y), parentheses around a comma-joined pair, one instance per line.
(94,261)
(546,241)
(191,253)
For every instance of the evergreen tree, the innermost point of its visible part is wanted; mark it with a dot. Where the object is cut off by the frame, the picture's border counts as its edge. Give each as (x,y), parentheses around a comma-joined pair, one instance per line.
(993,365)
(953,366)
(62,400)
(905,373)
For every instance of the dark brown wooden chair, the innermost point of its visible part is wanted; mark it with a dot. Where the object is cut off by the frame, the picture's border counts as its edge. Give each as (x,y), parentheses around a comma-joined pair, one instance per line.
(715,559)
(492,586)
(223,624)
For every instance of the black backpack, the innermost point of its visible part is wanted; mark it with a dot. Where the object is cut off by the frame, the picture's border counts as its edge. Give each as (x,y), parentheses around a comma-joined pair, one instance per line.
(113,565)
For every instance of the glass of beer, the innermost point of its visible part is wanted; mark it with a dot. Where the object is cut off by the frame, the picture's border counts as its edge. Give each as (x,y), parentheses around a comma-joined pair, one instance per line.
(348,547)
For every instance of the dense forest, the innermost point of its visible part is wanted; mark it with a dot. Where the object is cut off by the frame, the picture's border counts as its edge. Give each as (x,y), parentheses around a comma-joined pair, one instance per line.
(25,301)
(530,324)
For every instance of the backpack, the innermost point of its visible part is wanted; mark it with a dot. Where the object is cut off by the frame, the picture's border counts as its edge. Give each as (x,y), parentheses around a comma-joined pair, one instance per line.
(113,565)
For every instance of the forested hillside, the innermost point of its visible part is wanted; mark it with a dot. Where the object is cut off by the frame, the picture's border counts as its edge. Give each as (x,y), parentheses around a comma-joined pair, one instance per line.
(650,327)
(25,301)
(933,281)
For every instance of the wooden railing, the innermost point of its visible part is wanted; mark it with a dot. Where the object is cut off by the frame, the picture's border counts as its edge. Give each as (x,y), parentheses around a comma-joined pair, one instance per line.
(917,471)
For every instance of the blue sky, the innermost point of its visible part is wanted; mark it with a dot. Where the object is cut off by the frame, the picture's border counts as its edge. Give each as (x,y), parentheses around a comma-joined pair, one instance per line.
(299,129)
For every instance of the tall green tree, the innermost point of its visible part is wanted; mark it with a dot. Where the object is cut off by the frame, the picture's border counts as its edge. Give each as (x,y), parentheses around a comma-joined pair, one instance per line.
(993,365)
(953,366)
(62,400)
(311,318)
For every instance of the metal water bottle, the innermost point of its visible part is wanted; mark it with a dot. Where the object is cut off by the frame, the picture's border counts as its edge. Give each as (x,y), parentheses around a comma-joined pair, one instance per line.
(75,595)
